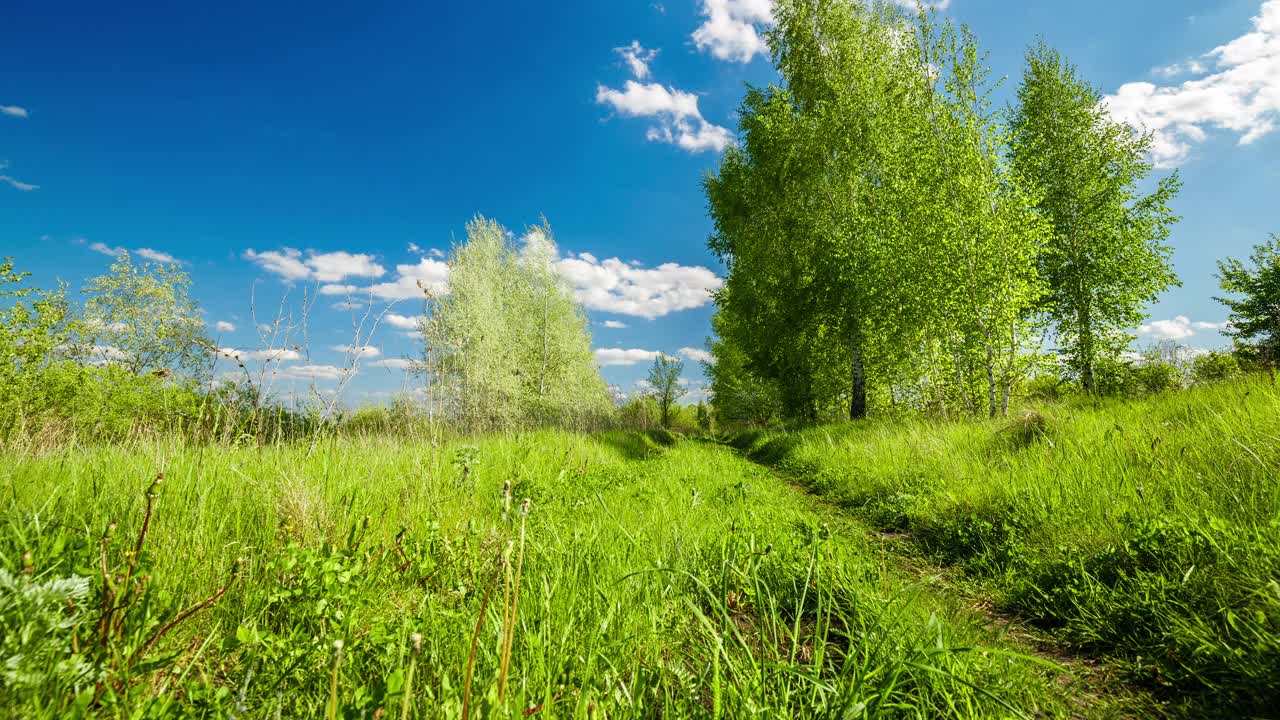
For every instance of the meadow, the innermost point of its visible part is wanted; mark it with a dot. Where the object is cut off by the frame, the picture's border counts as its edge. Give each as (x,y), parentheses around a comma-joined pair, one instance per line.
(1145,531)
(397,578)
(1086,559)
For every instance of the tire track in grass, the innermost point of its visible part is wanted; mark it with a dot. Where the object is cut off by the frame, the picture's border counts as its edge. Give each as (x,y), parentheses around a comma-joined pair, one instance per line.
(1094,684)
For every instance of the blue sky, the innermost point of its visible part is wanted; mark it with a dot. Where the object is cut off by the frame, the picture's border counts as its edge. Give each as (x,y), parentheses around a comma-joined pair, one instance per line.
(260,144)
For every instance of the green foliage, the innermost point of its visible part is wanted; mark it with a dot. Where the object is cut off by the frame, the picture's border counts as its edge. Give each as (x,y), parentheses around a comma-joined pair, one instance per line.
(1214,366)
(1255,312)
(509,345)
(687,576)
(1106,257)
(1115,525)
(37,334)
(664,385)
(873,230)
(142,318)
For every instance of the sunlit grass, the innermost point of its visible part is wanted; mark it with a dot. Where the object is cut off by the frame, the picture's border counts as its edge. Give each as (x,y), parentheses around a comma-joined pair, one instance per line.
(676,582)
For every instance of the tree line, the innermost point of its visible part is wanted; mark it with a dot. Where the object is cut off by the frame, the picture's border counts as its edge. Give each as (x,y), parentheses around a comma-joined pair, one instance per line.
(893,240)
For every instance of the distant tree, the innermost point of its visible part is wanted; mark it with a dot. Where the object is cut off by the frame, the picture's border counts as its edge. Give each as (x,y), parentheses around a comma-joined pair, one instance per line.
(142,318)
(703,417)
(664,385)
(1106,257)
(1255,312)
(508,345)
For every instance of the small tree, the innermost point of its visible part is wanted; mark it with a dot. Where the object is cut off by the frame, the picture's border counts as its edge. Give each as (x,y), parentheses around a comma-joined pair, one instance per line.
(1106,257)
(142,318)
(1255,317)
(703,417)
(664,382)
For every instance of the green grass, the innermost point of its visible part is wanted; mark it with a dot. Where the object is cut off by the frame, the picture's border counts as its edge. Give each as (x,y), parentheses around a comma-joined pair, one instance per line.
(653,581)
(1144,529)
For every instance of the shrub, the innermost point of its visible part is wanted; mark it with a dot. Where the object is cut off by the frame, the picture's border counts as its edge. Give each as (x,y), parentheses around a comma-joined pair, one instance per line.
(1156,376)
(1214,366)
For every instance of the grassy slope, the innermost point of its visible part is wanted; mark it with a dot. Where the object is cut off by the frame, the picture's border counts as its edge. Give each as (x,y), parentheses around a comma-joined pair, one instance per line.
(677,583)
(1147,529)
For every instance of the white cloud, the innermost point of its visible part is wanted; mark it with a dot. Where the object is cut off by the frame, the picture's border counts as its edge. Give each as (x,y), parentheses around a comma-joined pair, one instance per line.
(637,59)
(313,372)
(270,355)
(145,253)
(287,263)
(158,256)
(103,355)
(614,324)
(433,274)
(366,351)
(1179,328)
(224,326)
(1241,95)
(393,363)
(626,289)
(335,266)
(17,184)
(338,289)
(106,249)
(401,321)
(13,111)
(347,305)
(330,267)
(679,121)
(696,354)
(619,356)
(733,29)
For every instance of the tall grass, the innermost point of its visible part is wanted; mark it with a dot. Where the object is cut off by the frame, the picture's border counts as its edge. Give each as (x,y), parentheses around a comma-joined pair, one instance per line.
(1149,528)
(643,582)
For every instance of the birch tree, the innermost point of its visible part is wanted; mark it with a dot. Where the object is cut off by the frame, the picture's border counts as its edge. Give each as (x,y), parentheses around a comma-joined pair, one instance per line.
(1106,258)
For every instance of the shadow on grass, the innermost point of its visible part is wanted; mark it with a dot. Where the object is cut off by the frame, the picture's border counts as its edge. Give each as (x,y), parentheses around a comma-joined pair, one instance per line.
(638,445)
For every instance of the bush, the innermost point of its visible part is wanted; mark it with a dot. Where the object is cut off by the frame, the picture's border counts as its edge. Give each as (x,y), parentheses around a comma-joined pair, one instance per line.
(1156,376)
(1214,366)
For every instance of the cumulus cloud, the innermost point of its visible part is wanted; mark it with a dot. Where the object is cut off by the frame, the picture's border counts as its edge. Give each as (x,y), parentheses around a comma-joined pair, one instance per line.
(364,351)
(614,324)
(393,363)
(313,372)
(402,322)
(1236,89)
(411,280)
(679,122)
(733,30)
(13,111)
(637,59)
(291,265)
(224,326)
(695,354)
(269,355)
(1179,328)
(619,356)
(625,288)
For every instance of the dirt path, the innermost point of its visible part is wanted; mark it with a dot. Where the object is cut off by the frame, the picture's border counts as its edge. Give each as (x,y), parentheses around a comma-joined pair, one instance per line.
(1097,687)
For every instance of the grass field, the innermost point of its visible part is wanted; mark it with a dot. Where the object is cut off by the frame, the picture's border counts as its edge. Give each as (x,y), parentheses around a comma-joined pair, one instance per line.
(404,577)
(1147,530)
